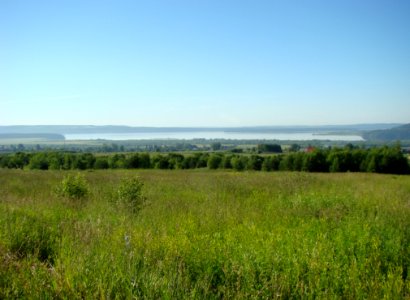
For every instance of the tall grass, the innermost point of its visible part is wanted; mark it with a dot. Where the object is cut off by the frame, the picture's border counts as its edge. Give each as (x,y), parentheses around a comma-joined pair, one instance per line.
(206,234)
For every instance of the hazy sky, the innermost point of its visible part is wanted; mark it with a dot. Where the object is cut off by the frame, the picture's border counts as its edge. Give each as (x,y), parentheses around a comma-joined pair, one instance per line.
(204,63)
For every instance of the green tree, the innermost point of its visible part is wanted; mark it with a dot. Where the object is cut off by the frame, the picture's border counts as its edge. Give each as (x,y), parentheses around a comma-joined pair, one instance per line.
(271,163)
(160,162)
(202,161)
(101,163)
(132,162)
(315,162)
(189,162)
(226,162)
(294,148)
(270,148)
(239,163)
(117,161)
(56,161)
(216,146)
(18,160)
(175,160)
(144,161)
(214,161)
(39,161)
(84,161)
(255,163)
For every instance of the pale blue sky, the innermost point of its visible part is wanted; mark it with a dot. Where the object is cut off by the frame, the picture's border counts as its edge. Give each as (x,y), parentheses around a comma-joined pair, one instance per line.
(204,63)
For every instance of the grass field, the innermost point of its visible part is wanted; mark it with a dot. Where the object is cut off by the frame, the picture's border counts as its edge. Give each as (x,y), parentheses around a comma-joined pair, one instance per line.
(206,234)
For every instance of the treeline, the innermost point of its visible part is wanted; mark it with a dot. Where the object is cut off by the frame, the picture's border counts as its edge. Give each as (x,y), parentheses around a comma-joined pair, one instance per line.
(102,147)
(378,160)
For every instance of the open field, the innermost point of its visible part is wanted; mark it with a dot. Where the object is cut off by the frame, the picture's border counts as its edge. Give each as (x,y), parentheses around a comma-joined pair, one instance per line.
(206,234)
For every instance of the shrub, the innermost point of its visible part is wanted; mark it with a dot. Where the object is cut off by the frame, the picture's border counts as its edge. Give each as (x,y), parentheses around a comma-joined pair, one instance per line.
(129,194)
(74,187)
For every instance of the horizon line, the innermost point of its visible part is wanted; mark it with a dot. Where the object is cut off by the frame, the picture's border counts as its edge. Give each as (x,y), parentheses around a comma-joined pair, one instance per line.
(207,126)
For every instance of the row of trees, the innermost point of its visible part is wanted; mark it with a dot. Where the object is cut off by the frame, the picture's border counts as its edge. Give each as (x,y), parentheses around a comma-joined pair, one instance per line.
(379,160)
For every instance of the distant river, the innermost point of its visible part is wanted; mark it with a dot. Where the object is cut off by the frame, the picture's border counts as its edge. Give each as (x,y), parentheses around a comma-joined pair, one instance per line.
(211,135)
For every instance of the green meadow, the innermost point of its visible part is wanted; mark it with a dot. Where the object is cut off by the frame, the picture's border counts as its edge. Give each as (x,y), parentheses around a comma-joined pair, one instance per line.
(205,234)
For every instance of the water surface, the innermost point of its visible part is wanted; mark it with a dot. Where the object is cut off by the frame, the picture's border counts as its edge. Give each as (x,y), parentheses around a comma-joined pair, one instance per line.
(180,135)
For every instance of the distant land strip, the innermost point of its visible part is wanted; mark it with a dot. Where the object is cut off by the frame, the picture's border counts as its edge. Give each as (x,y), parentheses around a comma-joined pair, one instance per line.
(43,136)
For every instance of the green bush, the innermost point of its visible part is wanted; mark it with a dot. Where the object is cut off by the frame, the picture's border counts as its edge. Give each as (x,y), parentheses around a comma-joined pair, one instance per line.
(74,187)
(130,195)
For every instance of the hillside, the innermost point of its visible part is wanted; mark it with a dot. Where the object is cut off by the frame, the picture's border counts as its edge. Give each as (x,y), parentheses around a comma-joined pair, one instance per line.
(396,133)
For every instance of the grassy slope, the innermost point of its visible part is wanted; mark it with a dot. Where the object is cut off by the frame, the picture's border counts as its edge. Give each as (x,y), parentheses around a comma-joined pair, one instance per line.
(207,234)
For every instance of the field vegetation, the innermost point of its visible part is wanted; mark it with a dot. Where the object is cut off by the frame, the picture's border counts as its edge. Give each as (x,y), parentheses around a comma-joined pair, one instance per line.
(203,234)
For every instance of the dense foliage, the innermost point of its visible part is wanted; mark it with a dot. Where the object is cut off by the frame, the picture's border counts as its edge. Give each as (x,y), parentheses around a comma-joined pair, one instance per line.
(348,159)
(206,235)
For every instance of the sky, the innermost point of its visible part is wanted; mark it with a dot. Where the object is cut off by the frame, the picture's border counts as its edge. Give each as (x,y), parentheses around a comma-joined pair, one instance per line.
(204,63)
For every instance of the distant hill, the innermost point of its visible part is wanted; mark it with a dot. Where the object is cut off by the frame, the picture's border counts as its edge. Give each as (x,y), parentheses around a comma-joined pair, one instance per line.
(78,129)
(393,134)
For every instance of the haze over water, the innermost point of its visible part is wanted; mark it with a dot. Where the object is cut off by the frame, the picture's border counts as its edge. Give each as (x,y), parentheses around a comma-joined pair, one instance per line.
(212,135)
